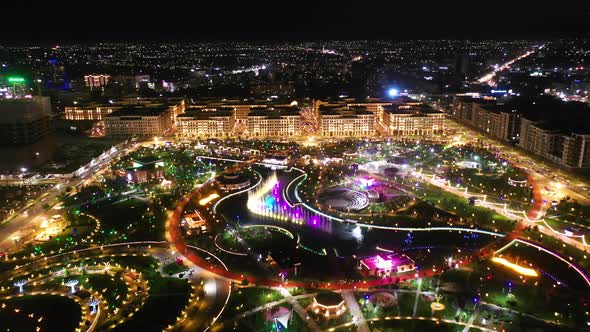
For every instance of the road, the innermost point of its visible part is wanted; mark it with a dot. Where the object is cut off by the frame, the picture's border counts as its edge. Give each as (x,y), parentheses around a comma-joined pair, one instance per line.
(498,68)
(28,219)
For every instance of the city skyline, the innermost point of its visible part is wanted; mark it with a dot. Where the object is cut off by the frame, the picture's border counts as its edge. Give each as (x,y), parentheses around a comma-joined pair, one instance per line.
(294,167)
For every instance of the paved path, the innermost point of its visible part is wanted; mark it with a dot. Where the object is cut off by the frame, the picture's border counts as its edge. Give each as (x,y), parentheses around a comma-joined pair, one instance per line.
(418,292)
(270,305)
(355,310)
(471,320)
(311,324)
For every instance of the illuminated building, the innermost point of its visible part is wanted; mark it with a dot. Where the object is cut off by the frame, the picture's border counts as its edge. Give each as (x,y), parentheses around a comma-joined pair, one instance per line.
(204,122)
(354,121)
(193,223)
(26,133)
(387,264)
(99,111)
(486,115)
(274,122)
(567,149)
(146,121)
(328,305)
(373,105)
(413,120)
(88,113)
(145,170)
(96,81)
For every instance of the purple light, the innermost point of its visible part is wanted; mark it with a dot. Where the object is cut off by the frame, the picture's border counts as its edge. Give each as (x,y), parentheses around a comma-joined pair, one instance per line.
(383,264)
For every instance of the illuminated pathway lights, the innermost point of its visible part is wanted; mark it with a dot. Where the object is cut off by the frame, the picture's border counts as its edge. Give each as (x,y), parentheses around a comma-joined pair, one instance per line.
(515,267)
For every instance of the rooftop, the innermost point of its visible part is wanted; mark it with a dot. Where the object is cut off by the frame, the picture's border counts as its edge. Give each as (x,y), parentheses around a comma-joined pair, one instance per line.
(205,113)
(140,111)
(275,112)
(415,109)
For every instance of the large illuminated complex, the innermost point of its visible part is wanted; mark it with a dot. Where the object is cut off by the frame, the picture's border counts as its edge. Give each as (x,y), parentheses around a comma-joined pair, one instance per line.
(263,119)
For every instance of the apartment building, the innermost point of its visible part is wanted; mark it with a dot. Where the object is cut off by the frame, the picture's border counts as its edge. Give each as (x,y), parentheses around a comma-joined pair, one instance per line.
(498,120)
(204,123)
(346,121)
(274,122)
(140,121)
(413,119)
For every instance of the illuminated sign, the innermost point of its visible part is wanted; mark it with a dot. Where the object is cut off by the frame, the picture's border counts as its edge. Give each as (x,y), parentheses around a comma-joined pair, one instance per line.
(16,79)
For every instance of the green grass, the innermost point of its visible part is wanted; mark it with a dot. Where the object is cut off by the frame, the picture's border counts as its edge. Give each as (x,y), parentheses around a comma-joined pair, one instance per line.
(59,313)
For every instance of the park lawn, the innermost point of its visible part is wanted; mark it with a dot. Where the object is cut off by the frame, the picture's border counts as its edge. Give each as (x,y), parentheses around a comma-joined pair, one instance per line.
(167,298)
(482,217)
(115,288)
(247,298)
(59,313)
(129,220)
(408,325)
(406,303)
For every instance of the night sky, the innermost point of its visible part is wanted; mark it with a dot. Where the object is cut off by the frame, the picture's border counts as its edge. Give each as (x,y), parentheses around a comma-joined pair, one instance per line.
(292,20)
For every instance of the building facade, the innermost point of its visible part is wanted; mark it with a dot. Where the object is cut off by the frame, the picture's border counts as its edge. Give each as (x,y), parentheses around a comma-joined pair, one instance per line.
(273,122)
(494,119)
(413,120)
(90,113)
(140,122)
(96,81)
(571,150)
(204,123)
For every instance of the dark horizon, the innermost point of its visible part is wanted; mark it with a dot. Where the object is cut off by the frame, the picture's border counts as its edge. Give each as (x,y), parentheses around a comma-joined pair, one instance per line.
(72,23)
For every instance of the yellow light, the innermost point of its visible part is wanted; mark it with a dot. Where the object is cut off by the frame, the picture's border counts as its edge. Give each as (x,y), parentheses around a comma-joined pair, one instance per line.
(515,267)
(206,200)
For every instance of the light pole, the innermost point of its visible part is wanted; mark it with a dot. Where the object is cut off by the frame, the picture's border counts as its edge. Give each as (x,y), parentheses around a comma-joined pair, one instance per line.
(20,284)
(93,303)
(72,284)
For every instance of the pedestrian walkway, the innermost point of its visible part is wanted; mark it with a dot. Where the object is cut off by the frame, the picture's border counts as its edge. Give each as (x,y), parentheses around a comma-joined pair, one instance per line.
(418,292)
(311,324)
(356,312)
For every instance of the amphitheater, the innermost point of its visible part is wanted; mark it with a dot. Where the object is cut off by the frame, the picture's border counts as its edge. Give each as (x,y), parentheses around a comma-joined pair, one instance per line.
(344,199)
